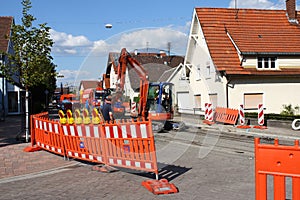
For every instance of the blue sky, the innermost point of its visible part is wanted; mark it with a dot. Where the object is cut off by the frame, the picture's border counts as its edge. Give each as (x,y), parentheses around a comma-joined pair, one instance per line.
(82,42)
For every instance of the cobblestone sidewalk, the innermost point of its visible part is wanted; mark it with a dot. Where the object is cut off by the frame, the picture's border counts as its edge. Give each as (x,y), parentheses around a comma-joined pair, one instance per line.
(14,161)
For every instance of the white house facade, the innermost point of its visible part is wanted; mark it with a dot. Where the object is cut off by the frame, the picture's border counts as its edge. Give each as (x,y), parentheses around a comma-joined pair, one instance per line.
(241,56)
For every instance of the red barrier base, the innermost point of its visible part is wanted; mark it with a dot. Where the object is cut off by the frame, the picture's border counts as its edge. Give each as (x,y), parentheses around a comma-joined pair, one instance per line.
(32,149)
(260,127)
(208,122)
(161,186)
(244,126)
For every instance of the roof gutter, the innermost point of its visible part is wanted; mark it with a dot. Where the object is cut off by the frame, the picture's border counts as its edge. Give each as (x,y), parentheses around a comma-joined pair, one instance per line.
(271,53)
(234,44)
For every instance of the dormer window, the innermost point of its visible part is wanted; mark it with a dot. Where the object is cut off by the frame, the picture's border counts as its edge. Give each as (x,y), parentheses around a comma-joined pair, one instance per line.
(267,63)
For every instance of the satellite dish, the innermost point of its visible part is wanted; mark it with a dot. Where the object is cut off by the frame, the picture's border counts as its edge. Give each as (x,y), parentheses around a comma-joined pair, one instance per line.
(108,26)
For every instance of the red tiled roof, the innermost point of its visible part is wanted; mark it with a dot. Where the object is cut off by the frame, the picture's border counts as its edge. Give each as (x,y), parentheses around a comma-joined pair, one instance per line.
(253,31)
(5,26)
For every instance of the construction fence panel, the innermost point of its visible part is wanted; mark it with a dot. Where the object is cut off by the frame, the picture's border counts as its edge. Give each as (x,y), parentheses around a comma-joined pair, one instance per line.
(131,145)
(127,144)
(47,135)
(226,115)
(280,162)
(84,142)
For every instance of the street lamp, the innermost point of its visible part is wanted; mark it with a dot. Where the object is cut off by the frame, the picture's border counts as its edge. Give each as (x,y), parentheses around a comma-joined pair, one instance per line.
(60,76)
(108,26)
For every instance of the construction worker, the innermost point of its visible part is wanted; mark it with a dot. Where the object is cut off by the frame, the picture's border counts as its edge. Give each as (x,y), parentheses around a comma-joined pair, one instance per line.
(107,109)
(153,97)
(153,92)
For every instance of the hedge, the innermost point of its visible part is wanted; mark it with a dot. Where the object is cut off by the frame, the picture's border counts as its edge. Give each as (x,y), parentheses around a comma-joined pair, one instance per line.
(273,116)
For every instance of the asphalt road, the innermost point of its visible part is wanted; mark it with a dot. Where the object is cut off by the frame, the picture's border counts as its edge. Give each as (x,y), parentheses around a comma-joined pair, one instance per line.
(202,164)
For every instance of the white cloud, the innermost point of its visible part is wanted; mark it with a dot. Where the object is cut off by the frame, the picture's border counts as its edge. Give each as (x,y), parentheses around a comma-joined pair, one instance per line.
(68,44)
(101,47)
(154,38)
(151,37)
(184,29)
(96,53)
(70,51)
(261,4)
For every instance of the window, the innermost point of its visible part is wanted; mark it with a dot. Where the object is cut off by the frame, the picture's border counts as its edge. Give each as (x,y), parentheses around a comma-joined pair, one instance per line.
(251,100)
(266,63)
(213,99)
(208,71)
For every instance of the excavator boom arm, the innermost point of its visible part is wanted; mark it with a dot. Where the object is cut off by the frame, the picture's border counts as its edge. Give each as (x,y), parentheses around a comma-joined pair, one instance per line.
(125,59)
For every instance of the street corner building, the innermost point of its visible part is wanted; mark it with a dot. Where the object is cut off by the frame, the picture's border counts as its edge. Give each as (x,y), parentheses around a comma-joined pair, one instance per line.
(240,56)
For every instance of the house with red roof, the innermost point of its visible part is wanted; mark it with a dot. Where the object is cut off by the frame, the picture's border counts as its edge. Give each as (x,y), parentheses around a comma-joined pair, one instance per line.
(89,84)
(11,95)
(241,56)
(156,63)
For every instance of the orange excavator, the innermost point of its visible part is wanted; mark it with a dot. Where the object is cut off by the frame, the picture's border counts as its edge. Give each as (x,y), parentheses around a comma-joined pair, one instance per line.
(155,99)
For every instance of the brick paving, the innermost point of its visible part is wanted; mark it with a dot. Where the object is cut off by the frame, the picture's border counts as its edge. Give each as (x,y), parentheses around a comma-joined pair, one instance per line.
(14,161)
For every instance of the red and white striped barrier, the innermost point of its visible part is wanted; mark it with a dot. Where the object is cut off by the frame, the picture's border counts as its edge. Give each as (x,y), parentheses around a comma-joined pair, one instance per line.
(208,112)
(242,115)
(205,111)
(242,118)
(133,108)
(260,117)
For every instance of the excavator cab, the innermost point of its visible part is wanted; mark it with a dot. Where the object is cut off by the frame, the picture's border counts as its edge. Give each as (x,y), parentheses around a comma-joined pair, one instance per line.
(159,101)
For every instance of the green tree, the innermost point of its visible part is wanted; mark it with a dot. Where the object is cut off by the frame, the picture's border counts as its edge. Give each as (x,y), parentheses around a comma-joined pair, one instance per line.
(32,60)
(289,110)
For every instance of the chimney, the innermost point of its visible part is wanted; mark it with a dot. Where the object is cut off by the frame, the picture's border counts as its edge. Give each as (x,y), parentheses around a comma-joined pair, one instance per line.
(291,10)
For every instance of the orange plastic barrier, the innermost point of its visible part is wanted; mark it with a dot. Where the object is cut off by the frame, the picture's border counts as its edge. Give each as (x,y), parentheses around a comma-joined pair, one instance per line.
(126,144)
(226,115)
(84,142)
(278,161)
(131,145)
(46,135)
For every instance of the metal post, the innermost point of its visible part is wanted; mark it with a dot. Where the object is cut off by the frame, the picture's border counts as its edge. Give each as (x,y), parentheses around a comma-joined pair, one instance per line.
(27,116)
